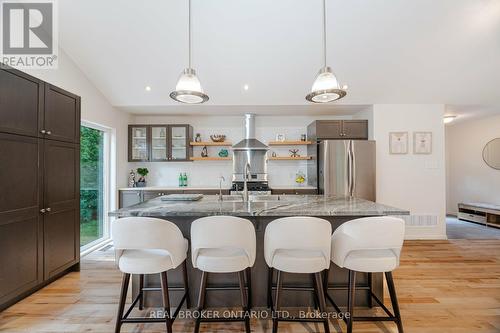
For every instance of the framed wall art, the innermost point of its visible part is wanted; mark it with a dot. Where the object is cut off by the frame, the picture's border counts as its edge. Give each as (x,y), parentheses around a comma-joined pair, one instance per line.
(398,143)
(422,142)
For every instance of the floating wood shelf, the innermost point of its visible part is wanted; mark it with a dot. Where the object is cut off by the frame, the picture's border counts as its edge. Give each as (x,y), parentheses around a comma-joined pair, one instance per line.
(211,143)
(289,143)
(211,158)
(289,158)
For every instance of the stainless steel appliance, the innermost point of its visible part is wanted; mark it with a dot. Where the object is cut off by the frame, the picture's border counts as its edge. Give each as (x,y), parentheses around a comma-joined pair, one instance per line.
(250,160)
(344,168)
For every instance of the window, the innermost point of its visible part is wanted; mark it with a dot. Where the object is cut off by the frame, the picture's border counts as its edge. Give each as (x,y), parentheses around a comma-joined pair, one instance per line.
(94,161)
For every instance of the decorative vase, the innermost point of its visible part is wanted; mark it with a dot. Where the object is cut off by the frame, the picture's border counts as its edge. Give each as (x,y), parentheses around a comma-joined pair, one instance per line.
(197,138)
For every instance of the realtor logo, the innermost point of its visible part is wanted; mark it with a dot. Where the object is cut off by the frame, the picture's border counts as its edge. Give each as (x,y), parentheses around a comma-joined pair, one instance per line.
(29,34)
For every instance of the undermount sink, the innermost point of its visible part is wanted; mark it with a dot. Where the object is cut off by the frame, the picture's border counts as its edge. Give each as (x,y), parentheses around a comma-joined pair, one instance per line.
(261,198)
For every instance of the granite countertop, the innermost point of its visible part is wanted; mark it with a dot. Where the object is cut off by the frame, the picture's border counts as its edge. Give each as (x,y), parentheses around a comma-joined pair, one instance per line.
(288,205)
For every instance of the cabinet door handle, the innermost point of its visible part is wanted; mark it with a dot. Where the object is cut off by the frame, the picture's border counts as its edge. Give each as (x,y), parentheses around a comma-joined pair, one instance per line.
(48,209)
(43,131)
(49,132)
(42,210)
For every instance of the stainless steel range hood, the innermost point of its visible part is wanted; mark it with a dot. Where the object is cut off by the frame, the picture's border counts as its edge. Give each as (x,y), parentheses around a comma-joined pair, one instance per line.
(250,142)
(252,151)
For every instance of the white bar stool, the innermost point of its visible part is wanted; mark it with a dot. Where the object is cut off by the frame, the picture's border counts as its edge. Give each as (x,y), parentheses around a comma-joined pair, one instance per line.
(223,244)
(369,245)
(146,245)
(297,245)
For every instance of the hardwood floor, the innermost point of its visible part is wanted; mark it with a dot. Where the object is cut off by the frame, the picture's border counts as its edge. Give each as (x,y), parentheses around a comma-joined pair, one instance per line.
(443,286)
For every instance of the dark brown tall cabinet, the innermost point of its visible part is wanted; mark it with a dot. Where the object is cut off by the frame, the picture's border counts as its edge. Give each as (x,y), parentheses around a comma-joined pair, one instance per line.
(39,184)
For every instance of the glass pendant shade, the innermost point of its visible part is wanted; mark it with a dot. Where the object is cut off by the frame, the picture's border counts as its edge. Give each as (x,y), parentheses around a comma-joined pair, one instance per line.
(325,88)
(188,89)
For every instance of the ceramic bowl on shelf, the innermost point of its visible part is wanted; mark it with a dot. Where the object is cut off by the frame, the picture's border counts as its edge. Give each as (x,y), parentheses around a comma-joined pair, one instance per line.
(217,137)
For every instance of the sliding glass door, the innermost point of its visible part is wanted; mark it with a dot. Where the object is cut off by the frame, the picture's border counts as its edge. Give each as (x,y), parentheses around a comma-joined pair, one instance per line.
(92,187)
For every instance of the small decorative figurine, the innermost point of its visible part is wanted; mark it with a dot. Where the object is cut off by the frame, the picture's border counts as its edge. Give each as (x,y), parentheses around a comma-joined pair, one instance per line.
(197,138)
(204,151)
(131,178)
(293,153)
(273,154)
(303,137)
(223,153)
(280,137)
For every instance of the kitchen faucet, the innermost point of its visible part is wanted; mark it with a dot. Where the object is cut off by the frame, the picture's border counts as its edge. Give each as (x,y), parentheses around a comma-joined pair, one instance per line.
(221,179)
(245,180)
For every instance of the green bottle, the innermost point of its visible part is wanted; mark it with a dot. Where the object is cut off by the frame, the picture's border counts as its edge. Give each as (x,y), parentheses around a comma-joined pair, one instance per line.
(181,182)
(185,180)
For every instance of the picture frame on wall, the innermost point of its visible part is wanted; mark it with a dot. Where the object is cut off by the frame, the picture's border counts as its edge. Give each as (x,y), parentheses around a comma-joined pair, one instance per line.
(398,143)
(422,142)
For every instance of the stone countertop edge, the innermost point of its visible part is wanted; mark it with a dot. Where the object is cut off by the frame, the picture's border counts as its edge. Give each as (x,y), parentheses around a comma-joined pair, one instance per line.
(308,205)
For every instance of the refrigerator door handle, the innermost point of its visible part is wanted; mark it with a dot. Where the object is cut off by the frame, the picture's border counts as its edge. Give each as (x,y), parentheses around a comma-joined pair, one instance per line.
(353,170)
(347,166)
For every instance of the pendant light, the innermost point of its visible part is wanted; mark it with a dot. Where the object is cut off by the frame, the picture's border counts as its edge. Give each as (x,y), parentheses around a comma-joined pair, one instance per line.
(325,88)
(188,89)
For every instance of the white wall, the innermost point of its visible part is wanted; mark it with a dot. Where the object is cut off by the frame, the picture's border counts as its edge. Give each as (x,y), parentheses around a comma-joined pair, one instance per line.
(206,173)
(413,182)
(95,109)
(470,179)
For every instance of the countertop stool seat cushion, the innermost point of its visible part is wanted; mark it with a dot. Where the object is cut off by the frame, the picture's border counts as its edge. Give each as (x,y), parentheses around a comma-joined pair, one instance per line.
(299,261)
(222,260)
(372,261)
(147,261)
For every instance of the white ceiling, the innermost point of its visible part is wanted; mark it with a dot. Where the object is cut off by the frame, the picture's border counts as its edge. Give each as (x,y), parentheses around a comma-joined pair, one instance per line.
(399,51)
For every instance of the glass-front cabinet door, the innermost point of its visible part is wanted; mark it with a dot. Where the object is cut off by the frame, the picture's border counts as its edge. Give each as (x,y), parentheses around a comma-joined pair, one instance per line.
(179,142)
(138,143)
(159,145)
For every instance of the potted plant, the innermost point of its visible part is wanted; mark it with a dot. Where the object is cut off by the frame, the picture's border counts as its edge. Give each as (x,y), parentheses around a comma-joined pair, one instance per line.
(142,172)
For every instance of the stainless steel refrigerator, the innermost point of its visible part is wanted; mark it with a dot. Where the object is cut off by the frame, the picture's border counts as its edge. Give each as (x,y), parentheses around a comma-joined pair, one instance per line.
(344,168)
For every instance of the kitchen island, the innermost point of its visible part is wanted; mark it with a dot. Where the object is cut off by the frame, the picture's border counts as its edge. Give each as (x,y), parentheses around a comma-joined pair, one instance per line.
(260,210)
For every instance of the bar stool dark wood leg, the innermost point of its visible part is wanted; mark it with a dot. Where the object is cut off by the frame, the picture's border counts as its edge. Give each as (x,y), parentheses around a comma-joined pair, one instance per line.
(201,300)
(370,282)
(249,287)
(350,299)
(123,297)
(244,300)
(186,284)
(166,301)
(277,301)
(270,288)
(321,300)
(315,293)
(394,300)
(141,293)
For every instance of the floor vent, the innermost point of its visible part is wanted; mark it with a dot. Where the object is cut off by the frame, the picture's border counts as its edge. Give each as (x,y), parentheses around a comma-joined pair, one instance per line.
(420,220)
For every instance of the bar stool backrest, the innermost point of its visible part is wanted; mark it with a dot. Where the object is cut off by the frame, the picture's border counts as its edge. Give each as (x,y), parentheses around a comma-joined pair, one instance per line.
(146,233)
(297,233)
(214,232)
(368,233)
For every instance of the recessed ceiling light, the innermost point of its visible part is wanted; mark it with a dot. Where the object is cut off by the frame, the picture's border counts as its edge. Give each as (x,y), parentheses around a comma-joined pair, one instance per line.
(448,119)
(246,87)
(148,88)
